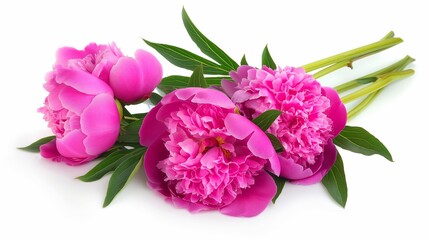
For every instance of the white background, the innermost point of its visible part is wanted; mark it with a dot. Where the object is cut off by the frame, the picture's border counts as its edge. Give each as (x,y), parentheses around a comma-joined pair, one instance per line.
(41,199)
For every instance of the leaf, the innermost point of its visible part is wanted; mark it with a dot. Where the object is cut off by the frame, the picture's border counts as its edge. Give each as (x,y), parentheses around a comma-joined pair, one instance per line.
(358,140)
(35,146)
(265,120)
(171,83)
(280,183)
(335,182)
(275,142)
(267,60)
(155,98)
(185,59)
(105,166)
(123,174)
(206,46)
(197,78)
(243,60)
(130,133)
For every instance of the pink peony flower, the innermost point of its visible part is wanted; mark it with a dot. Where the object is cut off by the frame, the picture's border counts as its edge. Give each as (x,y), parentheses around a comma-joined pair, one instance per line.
(312,116)
(82,113)
(203,156)
(132,80)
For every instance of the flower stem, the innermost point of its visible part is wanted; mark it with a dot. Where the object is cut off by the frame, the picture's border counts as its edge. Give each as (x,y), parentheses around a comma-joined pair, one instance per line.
(353,54)
(380,83)
(398,66)
(362,105)
(131,118)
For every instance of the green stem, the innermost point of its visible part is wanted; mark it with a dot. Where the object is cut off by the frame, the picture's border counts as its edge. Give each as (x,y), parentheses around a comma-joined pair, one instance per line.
(382,82)
(398,66)
(362,105)
(131,118)
(352,54)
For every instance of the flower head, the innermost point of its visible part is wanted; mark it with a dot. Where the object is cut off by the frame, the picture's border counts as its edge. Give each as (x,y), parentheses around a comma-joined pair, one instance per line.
(312,116)
(202,155)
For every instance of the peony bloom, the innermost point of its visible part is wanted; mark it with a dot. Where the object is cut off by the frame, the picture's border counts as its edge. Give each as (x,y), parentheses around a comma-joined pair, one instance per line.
(132,80)
(82,113)
(203,156)
(312,116)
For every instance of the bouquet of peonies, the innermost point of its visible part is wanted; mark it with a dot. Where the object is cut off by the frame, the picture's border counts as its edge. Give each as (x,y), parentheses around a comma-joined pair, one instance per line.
(228,137)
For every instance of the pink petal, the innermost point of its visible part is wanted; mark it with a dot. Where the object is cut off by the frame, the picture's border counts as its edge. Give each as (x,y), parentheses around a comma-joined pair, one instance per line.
(101,124)
(74,100)
(200,96)
(66,53)
(259,144)
(71,145)
(253,200)
(191,207)
(155,153)
(337,112)
(329,157)
(229,87)
(49,150)
(242,72)
(293,171)
(126,80)
(151,128)
(151,69)
(53,99)
(82,81)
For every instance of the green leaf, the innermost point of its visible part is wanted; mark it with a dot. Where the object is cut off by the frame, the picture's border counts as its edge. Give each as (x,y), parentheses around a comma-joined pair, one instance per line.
(171,83)
(123,174)
(358,140)
(265,120)
(267,60)
(35,147)
(280,183)
(335,182)
(206,46)
(130,133)
(243,60)
(275,142)
(155,98)
(197,78)
(110,163)
(185,59)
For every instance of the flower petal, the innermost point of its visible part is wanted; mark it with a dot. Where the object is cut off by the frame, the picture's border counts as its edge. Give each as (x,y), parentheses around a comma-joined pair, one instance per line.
(242,72)
(151,128)
(259,144)
(329,157)
(74,100)
(293,171)
(66,53)
(253,200)
(126,80)
(190,206)
(71,145)
(101,124)
(229,87)
(155,153)
(82,81)
(199,96)
(151,70)
(337,112)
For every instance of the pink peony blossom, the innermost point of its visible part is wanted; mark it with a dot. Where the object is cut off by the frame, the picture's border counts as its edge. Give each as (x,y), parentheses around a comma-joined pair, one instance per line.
(132,80)
(82,113)
(312,116)
(203,156)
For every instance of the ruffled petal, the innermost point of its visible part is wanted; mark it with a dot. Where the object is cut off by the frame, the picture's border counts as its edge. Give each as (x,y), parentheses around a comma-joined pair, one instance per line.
(151,128)
(337,112)
(200,96)
(329,157)
(259,144)
(100,122)
(155,153)
(66,53)
(253,200)
(229,87)
(82,81)
(292,170)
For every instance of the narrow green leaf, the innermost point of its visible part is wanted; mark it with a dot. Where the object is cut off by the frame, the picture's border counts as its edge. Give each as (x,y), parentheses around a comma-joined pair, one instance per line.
(185,59)
(123,174)
(171,83)
(206,46)
(130,133)
(335,182)
(280,183)
(105,166)
(267,60)
(35,147)
(265,120)
(155,98)
(244,60)
(197,78)
(358,140)
(276,142)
